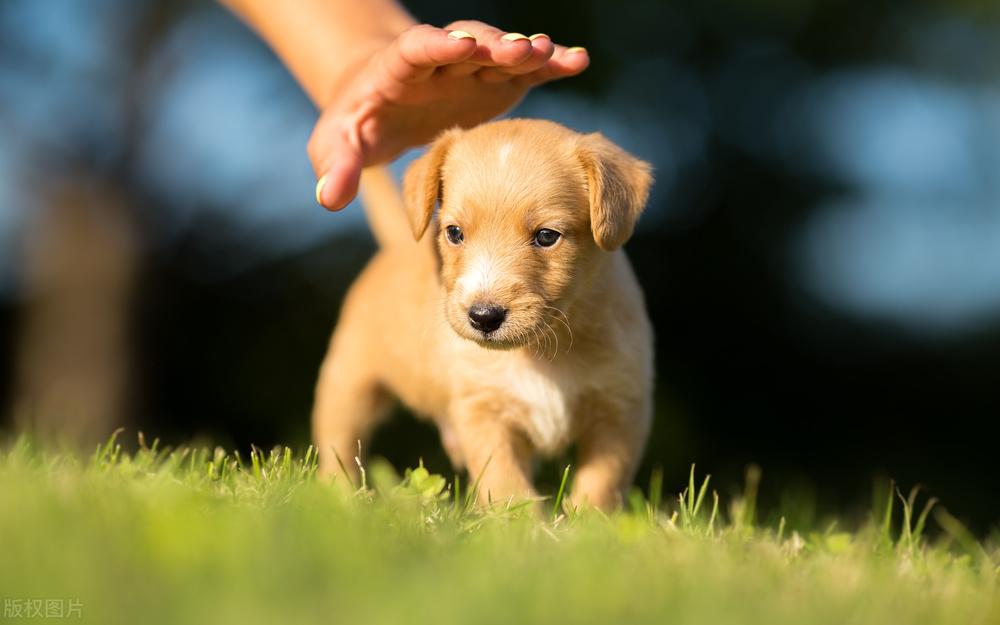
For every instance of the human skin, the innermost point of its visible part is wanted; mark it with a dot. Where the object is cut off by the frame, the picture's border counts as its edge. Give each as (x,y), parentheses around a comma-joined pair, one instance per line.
(385,83)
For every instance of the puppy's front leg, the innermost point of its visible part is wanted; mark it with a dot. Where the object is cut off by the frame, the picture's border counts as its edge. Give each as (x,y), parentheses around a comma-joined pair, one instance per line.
(609,448)
(495,453)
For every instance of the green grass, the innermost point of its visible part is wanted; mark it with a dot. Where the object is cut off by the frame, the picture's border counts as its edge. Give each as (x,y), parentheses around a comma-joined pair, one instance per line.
(205,536)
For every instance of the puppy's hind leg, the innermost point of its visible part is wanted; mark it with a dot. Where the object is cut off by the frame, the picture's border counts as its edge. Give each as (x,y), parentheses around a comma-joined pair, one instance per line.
(350,402)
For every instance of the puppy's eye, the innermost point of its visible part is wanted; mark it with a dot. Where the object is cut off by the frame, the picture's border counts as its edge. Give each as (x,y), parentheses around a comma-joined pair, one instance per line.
(546,237)
(454,234)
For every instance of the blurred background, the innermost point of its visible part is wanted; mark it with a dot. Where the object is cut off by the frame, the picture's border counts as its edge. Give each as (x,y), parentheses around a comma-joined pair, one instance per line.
(821,255)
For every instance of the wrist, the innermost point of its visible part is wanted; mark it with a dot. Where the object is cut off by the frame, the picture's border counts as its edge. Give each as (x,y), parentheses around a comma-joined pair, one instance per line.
(342,69)
(326,46)
(349,56)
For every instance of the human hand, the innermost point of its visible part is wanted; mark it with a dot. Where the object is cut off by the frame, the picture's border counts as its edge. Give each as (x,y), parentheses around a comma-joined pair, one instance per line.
(427,79)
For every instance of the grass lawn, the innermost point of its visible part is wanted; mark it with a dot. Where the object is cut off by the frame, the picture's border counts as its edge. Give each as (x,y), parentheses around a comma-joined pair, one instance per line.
(202,536)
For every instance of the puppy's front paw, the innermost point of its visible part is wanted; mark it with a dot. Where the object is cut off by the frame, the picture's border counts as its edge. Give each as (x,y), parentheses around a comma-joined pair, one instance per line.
(601,496)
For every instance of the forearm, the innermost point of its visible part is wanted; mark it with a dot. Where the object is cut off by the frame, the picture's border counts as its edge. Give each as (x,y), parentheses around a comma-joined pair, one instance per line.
(321,41)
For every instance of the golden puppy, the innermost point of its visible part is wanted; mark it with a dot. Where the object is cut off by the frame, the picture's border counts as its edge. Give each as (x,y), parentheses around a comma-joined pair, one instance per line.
(514,320)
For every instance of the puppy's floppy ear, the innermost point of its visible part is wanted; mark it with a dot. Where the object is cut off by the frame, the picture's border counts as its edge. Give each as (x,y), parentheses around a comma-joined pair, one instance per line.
(422,183)
(618,184)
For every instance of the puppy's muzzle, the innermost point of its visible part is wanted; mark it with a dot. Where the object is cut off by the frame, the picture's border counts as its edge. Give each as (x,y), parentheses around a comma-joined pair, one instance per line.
(486,317)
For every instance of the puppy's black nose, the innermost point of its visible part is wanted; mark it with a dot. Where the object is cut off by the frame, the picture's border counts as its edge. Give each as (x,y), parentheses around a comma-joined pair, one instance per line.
(486,318)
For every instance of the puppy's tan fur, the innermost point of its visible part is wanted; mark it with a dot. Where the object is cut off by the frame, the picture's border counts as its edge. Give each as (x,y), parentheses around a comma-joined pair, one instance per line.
(573,360)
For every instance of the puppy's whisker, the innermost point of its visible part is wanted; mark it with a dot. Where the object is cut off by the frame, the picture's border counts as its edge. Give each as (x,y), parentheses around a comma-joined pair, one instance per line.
(539,330)
(555,336)
(520,337)
(564,319)
(547,341)
(539,353)
(538,346)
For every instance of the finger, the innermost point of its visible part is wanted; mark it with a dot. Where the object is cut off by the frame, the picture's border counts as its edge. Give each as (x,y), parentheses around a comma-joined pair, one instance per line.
(338,186)
(416,53)
(542,49)
(495,47)
(564,62)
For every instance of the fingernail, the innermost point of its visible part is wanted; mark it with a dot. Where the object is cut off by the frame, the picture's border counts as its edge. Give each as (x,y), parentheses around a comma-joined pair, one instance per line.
(513,37)
(538,36)
(319,189)
(459,34)
(575,49)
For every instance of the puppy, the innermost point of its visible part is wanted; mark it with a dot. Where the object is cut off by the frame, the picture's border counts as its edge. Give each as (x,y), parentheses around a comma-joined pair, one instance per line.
(513,320)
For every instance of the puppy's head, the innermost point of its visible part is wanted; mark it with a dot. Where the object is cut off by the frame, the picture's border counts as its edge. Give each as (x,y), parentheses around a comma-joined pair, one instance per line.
(527,211)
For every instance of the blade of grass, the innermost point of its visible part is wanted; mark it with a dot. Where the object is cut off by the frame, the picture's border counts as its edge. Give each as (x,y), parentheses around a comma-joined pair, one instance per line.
(343,469)
(887,516)
(656,488)
(918,530)
(701,495)
(473,495)
(690,492)
(750,490)
(557,506)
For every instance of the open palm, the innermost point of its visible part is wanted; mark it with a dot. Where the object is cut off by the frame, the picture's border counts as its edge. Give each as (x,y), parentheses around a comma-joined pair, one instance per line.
(428,79)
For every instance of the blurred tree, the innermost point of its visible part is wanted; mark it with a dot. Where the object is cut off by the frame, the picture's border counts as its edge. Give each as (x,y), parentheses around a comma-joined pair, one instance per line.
(78,265)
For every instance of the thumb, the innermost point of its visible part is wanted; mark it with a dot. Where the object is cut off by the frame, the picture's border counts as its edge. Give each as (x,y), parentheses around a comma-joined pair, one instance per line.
(338,186)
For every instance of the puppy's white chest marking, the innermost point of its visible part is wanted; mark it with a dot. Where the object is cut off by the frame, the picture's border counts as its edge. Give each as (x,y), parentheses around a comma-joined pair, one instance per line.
(547,405)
